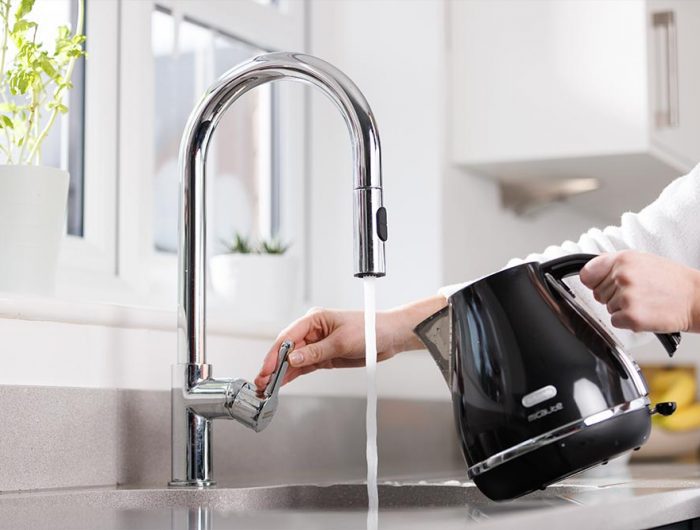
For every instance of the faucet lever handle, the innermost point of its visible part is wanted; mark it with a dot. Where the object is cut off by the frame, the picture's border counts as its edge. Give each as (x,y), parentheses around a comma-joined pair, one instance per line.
(252,406)
(277,376)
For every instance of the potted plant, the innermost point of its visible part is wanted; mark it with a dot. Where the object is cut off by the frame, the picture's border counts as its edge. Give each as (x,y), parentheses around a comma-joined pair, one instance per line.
(33,198)
(258,278)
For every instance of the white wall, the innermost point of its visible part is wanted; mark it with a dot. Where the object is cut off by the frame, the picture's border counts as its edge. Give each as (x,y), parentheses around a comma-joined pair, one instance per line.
(480,237)
(394,51)
(445,225)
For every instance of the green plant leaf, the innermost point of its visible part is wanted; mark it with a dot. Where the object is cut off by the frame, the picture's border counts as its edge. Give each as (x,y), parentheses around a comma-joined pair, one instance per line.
(273,246)
(25,7)
(37,76)
(240,244)
(60,107)
(63,33)
(48,68)
(23,25)
(20,83)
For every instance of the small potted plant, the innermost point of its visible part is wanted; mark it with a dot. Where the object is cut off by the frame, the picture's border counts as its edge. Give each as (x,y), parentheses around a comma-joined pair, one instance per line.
(33,85)
(258,279)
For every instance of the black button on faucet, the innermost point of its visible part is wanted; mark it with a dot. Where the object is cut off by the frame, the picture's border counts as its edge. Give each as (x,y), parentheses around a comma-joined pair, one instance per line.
(382,231)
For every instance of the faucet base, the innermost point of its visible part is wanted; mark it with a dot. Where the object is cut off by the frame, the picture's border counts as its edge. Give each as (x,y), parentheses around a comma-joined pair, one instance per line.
(199,484)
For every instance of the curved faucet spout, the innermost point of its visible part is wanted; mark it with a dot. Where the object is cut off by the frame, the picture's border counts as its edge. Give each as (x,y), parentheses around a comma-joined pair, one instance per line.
(368,211)
(197,398)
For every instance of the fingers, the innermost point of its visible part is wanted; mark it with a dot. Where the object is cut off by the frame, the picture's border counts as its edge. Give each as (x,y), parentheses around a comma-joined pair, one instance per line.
(614,279)
(309,330)
(313,354)
(597,270)
(605,291)
(296,332)
(293,373)
(626,320)
(323,339)
(608,274)
(270,362)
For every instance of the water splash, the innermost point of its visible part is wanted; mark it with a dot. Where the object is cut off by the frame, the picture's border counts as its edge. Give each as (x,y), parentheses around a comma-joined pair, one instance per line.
(371,417)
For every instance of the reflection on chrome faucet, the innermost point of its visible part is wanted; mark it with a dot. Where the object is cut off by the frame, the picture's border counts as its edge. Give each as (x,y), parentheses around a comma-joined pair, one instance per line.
(198,398)
(199,518)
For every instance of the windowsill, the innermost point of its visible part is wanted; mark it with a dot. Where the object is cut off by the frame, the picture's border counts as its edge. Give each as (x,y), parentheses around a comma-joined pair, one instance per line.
(45,309)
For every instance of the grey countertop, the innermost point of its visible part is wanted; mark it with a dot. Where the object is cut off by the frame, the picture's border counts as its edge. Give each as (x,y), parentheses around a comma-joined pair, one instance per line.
(617,496)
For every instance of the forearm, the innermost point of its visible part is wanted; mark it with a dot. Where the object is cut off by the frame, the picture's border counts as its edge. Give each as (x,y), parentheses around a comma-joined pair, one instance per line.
(400,322)
(695,306)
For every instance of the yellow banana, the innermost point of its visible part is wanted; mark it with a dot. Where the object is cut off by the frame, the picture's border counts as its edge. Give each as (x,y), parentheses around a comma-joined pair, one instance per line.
(684,419)
(673,385)
(662,379)
(682,390)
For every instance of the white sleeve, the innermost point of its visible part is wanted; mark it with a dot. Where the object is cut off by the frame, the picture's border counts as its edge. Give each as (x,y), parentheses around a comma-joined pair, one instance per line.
(667,227)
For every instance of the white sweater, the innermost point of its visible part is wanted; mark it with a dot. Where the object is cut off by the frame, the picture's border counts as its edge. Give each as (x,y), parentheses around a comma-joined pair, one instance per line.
(668,227)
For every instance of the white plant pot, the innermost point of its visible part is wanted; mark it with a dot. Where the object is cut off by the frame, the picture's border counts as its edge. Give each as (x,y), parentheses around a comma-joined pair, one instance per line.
(260,287)
(33,203)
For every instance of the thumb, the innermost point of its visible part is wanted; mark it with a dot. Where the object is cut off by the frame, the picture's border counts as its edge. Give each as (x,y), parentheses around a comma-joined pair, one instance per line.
(313,353)
(596,270)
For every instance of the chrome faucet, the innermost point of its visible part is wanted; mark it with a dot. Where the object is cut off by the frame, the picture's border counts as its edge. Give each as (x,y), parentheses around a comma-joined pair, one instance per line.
(198,398)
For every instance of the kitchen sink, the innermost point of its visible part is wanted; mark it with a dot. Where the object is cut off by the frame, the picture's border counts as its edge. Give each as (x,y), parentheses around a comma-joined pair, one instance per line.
(298,506)
(345,497)
(340,506)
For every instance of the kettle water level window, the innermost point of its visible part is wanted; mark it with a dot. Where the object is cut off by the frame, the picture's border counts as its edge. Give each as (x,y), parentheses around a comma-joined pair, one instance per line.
(242,170)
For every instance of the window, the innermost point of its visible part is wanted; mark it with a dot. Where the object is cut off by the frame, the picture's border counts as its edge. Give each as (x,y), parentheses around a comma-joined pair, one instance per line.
(63,147)
(169,53)
(148,63)
(241,170)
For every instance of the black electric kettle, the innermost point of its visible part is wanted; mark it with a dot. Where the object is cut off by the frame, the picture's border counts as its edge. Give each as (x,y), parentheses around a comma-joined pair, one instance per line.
(540,389)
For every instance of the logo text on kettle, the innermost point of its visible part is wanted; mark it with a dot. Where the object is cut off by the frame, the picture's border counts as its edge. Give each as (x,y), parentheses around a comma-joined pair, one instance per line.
(545,412)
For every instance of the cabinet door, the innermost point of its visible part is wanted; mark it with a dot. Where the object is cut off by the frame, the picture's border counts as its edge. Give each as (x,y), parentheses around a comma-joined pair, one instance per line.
(674,78)
(546,79)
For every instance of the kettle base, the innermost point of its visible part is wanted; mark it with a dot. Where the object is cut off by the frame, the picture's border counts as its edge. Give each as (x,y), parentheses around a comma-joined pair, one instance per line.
(579,451)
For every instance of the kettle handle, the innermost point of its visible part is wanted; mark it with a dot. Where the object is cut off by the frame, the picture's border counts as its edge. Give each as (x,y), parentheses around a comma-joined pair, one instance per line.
(572,264)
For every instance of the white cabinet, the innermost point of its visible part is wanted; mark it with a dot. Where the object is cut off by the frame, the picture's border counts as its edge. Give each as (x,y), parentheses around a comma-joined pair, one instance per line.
(567,88)
(673,45)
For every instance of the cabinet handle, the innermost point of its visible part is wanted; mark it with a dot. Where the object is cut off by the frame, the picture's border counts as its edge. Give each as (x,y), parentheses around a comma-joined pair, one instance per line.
(666,48)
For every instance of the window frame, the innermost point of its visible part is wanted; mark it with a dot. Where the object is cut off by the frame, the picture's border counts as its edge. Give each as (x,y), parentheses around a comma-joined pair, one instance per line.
(90,258)
(151,276)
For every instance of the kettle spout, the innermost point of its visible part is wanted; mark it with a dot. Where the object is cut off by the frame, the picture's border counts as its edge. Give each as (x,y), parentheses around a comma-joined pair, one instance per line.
(435,333)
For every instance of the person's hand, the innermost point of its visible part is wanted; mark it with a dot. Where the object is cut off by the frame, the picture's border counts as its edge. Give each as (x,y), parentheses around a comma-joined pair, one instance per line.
(326,338)
(645,292)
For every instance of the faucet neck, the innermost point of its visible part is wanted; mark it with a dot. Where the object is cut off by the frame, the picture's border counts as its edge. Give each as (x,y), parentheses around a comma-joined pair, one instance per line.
(369,214)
